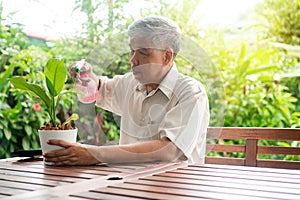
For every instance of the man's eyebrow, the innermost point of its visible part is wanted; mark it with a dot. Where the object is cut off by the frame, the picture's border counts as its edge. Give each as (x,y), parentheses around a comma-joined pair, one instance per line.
(143,49)
(139,48)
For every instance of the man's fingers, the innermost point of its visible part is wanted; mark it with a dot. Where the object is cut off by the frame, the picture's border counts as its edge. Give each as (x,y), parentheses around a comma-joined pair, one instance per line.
(59,158)
(60,143)
(56,153)
(74,75)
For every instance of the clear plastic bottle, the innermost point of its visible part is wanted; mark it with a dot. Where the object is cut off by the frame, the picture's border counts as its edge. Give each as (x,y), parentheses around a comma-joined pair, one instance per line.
(86,85)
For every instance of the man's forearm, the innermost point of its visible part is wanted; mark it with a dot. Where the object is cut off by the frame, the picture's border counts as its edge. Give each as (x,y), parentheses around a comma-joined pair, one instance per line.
(156,150)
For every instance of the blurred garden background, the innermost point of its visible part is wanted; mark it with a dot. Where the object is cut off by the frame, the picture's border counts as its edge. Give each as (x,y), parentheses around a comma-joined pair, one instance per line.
(255,57)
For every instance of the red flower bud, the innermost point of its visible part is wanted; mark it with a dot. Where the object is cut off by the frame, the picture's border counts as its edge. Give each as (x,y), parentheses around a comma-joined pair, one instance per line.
(36,107)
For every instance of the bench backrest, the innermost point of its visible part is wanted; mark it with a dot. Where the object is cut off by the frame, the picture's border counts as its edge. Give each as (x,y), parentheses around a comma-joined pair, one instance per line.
(251,149)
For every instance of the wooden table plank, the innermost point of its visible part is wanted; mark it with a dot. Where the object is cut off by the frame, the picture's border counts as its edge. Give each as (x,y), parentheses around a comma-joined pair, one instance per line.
(257,186)
(33,180)
(65,191)
(19,173)
(85,173)
(97,195)
(7,191)
(221,190)
(252,169)
(247,176)
(228,180)
(124,192)
(172,193)
(25,186)
(236,171)
(2,196)
(94,170)
(50,171)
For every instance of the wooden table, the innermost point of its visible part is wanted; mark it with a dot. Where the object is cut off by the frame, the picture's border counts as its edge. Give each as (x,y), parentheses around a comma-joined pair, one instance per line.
(32,180)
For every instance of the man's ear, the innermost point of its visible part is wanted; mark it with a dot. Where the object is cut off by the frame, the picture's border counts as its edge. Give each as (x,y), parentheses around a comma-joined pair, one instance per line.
(169,56)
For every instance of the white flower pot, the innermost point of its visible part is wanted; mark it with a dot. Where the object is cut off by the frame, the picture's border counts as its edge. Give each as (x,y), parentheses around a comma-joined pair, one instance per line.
(45,135)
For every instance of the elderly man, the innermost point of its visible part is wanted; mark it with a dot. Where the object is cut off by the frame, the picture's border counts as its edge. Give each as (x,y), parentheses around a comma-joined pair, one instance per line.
(164,114)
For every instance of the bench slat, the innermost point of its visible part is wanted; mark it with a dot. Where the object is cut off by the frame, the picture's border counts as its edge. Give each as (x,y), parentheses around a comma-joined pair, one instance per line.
(251,148)
(224,160)
(278,150)
(225,148)
(278,164)
(251,152)
(237,133)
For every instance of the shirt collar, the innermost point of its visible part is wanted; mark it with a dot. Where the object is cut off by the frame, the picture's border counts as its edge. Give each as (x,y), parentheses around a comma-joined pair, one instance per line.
(140,87)
(168,83)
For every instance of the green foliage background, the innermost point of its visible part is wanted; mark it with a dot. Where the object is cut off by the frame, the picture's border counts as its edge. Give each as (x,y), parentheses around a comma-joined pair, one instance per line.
(252,76)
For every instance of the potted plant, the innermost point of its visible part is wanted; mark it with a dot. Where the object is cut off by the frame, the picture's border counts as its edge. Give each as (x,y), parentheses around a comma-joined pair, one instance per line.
(50,93)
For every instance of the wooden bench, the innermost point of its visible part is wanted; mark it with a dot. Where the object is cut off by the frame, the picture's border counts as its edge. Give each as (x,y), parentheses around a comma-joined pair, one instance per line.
(251,149)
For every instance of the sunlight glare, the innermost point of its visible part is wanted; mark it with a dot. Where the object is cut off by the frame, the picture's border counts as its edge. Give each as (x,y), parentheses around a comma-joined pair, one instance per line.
(222,12)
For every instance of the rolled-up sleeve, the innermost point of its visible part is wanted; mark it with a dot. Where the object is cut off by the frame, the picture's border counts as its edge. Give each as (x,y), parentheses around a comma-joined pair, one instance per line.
(110,93)
(186,125)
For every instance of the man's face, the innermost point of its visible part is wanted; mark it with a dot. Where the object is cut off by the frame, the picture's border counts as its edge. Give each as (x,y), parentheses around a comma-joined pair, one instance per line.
(147,62)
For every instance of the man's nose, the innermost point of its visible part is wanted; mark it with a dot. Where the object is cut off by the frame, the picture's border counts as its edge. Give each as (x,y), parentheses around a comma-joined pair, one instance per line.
(133,60)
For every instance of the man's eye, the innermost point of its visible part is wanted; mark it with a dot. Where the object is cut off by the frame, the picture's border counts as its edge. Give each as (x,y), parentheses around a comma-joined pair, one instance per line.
(143,52)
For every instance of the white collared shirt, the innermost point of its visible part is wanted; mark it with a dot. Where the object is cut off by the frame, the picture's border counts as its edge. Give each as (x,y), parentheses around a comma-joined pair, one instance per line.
(178,109)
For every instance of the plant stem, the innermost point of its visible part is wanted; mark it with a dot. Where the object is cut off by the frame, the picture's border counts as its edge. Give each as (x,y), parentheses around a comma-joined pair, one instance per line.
(53,112)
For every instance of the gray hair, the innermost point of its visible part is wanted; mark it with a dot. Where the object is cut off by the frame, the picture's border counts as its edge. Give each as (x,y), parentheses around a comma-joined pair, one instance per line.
(164,32)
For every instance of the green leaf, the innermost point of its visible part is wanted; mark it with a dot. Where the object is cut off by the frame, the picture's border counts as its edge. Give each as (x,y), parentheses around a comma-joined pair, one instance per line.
(242,54)
(263,68)
(5,123)
(55,72)
(50,87)
(243,68)
(25,143)
(28,130)
(293,74)
(293,50)
(7,133)
(5,75)
(266,78)
(20,83)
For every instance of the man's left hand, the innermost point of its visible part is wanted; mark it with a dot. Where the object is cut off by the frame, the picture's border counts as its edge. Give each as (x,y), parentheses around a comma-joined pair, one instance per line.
(73,154)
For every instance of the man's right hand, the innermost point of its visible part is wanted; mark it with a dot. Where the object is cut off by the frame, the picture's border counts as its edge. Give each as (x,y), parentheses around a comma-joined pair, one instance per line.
(74,75)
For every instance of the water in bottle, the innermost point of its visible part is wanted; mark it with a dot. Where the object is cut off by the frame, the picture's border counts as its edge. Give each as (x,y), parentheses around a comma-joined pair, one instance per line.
(87,86)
